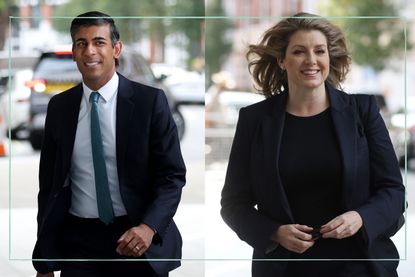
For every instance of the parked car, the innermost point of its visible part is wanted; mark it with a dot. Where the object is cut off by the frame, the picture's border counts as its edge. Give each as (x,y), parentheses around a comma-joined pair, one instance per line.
(187,87)
(17,104)
(2,132)
(162,70)
(4,78)
(222,109)
(56,72)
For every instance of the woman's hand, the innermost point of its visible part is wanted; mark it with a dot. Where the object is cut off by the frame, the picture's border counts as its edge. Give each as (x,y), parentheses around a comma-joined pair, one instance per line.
(342,226)
(294,237)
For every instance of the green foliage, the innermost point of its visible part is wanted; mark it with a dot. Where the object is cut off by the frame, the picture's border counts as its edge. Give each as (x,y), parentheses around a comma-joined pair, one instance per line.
(134,29)
(218,46)
(5,4)
(192,29)
(7,8)
(373,41)
(129,28)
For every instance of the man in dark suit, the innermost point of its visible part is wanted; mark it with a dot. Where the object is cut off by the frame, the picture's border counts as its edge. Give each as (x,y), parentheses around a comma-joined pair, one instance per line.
(114,199)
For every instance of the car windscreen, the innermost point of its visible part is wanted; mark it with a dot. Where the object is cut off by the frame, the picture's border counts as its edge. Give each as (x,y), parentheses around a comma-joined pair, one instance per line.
(53,67)
(135,68)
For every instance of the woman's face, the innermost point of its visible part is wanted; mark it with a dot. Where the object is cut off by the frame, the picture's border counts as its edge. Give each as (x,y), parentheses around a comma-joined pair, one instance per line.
(306,60)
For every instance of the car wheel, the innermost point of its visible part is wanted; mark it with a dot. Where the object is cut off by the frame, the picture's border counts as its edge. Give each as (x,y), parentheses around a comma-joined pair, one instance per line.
(179,120)
(35,141)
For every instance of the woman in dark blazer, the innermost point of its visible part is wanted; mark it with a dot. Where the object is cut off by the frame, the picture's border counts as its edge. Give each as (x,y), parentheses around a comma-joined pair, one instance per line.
(312,172)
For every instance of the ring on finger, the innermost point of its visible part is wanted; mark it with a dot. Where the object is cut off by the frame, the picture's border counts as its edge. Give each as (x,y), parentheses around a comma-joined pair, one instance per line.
(137,248)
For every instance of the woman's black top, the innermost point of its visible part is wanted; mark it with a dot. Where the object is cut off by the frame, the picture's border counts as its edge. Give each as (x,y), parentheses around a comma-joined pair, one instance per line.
(310,167)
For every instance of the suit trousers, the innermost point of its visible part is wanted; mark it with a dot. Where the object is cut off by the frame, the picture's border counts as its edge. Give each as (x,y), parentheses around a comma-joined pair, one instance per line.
(91,239)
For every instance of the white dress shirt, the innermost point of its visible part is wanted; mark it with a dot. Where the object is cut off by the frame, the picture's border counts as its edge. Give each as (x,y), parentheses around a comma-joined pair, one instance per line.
(84,199)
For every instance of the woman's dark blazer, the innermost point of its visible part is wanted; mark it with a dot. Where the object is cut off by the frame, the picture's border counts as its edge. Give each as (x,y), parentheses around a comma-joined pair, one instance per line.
(254,203)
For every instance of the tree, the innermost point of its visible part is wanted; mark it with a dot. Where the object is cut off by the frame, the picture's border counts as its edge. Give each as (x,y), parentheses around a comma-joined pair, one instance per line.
(129,29)
(218,46)
(133,29)
(7,8)
(373,41)
(192,28)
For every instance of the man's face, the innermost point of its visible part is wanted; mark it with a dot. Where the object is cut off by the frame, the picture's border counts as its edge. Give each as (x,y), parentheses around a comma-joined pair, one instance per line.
(94,55)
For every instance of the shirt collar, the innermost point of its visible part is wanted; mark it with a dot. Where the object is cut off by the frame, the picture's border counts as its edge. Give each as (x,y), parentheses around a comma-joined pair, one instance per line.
(107,91)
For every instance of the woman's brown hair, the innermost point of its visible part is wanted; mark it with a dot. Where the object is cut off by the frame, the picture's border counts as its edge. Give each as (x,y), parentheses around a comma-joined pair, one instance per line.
(263,58)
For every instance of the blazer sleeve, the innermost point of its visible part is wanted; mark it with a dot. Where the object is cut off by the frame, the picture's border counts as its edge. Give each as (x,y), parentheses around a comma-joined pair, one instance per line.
(167,168)
(47,162)
(385,206)
(238,198)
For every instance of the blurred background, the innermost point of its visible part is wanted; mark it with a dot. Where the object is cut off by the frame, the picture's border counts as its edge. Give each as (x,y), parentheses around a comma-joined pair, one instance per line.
(195,51)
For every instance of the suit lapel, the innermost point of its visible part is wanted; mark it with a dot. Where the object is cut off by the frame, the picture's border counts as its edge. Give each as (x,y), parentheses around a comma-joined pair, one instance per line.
(124,112)
(270,138)
(70,124)
(343,116)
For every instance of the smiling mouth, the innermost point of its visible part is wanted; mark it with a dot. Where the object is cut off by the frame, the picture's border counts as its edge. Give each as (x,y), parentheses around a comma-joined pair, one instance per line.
(91,64)
(310,72)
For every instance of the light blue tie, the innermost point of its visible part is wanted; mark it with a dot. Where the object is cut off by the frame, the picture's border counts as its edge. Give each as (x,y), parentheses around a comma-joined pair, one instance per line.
(105,210)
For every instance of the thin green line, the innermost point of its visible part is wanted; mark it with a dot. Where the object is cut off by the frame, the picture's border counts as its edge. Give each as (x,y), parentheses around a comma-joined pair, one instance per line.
(9,140)
(302,17)
(406,163)
(213,17)
(114,17)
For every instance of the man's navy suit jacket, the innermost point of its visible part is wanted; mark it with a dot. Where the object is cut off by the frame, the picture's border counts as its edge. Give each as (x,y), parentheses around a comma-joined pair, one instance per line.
(150,167)
(254,203)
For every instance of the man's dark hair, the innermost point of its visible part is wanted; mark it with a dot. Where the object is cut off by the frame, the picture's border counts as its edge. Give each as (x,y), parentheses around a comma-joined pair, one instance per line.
(95,18)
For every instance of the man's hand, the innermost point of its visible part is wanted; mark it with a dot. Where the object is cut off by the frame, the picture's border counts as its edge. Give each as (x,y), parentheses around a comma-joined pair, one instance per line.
(135,241)
(50,274)
(294,237)
(342,226)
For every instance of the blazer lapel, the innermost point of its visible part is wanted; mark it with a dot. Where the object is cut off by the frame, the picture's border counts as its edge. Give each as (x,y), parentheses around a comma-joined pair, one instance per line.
(70,124)
(269,138)
(271,130)
(124,112)
(343,115)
